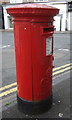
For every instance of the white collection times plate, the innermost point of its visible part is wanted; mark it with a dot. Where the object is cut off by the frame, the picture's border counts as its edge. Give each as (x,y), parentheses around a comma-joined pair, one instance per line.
(48,46)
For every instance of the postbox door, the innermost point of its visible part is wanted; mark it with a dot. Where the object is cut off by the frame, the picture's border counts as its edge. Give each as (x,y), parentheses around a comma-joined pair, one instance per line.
(42,56)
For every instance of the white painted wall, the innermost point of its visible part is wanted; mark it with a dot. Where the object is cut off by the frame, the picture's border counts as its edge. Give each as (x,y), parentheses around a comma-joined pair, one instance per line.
(6,19)
(57,23)
(16,1)
(63,9)
(70,21)
(62,6)
(62,12)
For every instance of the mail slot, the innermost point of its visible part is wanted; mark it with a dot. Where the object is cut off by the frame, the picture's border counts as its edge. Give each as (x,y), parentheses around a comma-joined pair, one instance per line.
(33,33)
(48,29)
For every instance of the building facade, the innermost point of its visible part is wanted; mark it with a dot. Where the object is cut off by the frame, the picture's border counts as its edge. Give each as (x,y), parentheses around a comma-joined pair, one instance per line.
(62,20)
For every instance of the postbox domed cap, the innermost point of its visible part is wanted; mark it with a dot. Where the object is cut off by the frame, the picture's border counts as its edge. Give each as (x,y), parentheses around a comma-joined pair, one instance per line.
(32,10)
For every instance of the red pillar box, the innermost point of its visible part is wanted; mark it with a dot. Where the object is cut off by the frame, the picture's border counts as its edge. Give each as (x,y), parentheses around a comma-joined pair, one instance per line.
(33,33)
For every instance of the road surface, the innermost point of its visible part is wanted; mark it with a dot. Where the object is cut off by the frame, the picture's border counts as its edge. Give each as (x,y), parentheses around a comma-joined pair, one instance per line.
(61,72)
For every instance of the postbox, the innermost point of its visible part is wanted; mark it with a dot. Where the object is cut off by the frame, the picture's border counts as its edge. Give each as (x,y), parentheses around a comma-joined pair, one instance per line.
(33,34)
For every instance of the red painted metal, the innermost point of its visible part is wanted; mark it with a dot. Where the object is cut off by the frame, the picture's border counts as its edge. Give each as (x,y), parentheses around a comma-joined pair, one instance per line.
(32,26)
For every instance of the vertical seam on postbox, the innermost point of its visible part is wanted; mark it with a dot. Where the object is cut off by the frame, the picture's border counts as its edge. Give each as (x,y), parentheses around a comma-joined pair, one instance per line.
(31,61)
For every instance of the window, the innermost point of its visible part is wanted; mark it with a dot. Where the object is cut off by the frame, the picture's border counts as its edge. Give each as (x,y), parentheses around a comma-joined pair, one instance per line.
(69,6)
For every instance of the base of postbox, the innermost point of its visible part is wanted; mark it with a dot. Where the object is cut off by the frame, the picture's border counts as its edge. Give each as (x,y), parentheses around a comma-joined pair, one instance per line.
(33,108)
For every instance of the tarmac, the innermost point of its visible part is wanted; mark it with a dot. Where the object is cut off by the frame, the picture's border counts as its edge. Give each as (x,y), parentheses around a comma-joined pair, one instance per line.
(61,107)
